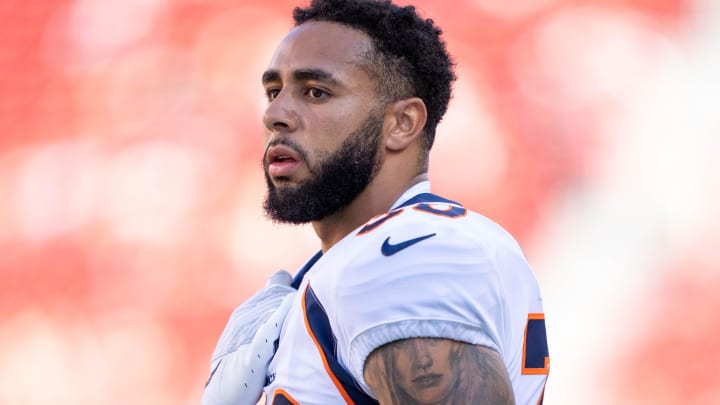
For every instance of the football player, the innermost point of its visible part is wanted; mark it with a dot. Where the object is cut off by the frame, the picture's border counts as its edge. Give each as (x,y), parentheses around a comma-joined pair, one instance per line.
(412,298)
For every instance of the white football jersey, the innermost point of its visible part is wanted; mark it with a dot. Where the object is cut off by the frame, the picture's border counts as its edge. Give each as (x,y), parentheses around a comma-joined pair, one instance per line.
(427,268)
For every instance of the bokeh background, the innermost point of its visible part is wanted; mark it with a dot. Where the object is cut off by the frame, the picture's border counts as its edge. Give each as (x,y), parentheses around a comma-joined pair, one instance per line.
(131,189)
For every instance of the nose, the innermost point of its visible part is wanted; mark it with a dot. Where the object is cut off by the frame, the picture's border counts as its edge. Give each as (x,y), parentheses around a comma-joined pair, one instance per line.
(280,114)
(422,359)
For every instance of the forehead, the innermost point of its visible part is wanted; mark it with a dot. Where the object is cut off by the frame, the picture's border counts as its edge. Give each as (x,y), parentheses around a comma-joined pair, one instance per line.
(322,45)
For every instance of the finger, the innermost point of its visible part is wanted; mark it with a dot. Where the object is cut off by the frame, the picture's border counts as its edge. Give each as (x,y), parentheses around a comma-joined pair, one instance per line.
(262,347)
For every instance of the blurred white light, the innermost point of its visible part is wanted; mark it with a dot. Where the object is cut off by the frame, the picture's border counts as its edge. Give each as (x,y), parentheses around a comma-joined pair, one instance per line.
(7,179)
(513,9)
(151,190)
(469,144)
(231,62)
(584,55)
(101,27)
(124,357)
(55,189)
(139,347)
(258,246)
(664,147)
(33,361)
(653,198)
(147,87)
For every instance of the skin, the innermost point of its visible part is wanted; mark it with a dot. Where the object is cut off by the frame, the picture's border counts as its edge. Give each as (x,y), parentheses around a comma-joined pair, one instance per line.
(318,114)
(424,368)
(428,371)
(319,94)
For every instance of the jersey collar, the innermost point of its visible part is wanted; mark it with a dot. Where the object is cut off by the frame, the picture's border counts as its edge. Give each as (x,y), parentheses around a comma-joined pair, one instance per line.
(420,193)
(421,188)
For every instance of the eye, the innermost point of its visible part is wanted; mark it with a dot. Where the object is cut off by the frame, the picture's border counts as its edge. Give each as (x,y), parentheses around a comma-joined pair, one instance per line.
(316,93)
(272,93)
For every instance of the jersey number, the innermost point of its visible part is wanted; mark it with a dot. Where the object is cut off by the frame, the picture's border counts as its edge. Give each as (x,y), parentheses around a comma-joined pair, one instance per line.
(443,210)
(536,357)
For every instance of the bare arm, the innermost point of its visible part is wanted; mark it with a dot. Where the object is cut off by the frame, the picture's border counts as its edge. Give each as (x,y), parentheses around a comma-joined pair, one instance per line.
(437,371)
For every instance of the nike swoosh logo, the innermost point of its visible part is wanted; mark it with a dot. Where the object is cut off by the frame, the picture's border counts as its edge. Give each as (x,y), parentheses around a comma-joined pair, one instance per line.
(389,249)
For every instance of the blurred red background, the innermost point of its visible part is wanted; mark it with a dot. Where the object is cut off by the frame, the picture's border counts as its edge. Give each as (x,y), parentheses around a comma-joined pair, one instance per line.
(131,189)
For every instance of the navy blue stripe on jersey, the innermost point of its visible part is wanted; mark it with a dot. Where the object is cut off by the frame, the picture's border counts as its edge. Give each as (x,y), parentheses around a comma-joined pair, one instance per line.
(319,325)
(375,223)
(282,399)
(536,355)
(427,198)
(297,280)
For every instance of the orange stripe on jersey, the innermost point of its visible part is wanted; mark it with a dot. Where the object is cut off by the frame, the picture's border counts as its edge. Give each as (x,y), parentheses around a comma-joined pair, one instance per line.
(284,396)
(332,375)
(535,344)
(378,220)
(542,394)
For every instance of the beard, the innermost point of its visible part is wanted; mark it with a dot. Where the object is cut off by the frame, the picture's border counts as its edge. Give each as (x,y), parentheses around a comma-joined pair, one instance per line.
(335,181)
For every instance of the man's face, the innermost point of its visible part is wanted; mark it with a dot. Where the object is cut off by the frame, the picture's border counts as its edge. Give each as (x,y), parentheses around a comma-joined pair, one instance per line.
(323,123)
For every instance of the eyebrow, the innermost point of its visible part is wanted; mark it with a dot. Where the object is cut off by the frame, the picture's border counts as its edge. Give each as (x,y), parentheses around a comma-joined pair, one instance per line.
(302,75)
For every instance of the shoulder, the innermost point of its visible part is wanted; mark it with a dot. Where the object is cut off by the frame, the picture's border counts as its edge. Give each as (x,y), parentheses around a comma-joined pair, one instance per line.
(432,229)
(429,242)
(430,269)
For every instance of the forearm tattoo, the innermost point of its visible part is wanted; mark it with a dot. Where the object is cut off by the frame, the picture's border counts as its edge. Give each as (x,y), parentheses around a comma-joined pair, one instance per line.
(437,371)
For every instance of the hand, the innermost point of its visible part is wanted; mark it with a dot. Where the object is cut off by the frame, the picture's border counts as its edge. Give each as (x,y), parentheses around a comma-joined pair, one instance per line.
(246,346)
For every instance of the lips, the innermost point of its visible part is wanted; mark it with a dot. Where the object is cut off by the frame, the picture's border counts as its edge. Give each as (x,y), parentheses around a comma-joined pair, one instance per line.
(427,380)
(282,161)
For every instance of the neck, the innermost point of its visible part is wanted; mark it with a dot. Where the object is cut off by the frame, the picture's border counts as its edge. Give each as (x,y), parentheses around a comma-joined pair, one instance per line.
(374,200)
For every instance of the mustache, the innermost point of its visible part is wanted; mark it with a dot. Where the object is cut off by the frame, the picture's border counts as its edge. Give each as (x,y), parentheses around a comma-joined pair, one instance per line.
(288,143)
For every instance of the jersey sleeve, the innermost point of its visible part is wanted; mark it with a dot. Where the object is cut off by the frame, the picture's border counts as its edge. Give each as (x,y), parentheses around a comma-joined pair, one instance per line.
(445,286)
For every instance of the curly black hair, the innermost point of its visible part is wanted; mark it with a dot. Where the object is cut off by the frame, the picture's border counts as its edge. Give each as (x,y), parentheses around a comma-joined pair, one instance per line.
(411,59)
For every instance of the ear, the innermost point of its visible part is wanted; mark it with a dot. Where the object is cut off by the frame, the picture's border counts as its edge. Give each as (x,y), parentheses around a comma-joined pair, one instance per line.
(404,123)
